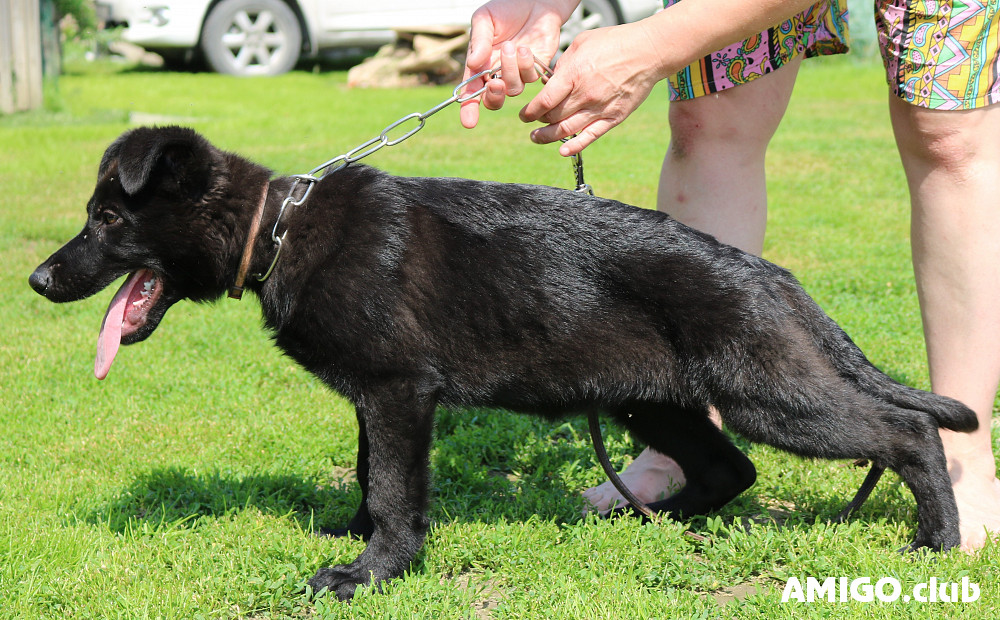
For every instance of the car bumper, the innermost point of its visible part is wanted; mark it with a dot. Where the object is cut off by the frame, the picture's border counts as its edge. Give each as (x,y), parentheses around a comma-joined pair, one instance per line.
(155,25)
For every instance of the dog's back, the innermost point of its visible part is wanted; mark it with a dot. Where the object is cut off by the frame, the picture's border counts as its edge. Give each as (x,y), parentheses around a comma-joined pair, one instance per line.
(478,282)
(491,285)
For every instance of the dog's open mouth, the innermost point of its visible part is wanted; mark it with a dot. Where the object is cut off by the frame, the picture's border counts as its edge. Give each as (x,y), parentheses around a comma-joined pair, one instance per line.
(127,313)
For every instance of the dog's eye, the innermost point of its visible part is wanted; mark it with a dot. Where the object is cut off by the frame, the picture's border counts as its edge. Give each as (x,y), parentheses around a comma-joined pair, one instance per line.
(110,218)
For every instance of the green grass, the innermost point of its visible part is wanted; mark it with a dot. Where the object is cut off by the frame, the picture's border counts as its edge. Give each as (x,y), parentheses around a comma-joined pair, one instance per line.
(189,483)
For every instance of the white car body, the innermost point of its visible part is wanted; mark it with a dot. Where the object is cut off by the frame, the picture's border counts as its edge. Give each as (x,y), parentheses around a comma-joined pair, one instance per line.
(178,25)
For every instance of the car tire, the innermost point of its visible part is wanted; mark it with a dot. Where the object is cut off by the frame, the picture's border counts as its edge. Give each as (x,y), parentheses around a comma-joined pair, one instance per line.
(251,37)
(589,15)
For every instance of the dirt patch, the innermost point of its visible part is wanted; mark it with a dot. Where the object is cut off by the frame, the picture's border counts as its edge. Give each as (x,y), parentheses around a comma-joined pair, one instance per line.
(738,592)
(488,592)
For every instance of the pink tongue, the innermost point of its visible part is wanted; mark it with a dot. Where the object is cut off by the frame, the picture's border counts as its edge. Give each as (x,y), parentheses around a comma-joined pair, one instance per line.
(111,330)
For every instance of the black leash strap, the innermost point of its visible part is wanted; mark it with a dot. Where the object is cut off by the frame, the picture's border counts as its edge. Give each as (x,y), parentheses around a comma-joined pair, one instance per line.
(602,456)
(866,489)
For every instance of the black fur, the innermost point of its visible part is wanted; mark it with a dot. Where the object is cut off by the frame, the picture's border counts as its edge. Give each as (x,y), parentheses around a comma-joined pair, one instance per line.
(406,293)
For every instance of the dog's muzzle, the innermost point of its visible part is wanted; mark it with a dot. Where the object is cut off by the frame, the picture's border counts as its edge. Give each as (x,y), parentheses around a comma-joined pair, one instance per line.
(41,279)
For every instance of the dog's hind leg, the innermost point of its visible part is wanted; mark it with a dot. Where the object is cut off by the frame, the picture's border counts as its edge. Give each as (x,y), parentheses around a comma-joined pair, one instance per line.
(911,446)
(715,470)
(845,425)
(926,473)
(398,421)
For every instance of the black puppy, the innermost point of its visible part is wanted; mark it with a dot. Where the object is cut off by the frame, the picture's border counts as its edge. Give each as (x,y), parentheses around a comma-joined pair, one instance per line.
(403,293)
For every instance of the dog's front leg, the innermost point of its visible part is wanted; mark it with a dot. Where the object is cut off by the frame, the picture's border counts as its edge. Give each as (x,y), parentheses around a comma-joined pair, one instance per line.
(396,422)
(361,524)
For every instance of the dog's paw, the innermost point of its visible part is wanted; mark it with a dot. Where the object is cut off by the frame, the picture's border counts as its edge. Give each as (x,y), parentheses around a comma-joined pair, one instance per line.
(340,580)
(931,545)
(341,532)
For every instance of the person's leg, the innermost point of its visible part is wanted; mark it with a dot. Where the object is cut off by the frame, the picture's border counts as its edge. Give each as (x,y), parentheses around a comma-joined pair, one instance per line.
(712,177)
(713,180)
(952,164)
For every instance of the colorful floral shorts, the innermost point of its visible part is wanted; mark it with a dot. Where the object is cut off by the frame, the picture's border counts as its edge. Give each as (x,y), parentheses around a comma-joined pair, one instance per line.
(938,54)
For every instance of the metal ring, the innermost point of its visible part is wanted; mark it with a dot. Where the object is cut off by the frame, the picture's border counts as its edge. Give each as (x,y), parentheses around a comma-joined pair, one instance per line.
(416,115)
(341,159)
(379,141)
(459,98)
(278,241)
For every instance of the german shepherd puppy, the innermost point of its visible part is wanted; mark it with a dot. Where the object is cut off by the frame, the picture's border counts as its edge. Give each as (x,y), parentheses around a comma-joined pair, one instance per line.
(405,293)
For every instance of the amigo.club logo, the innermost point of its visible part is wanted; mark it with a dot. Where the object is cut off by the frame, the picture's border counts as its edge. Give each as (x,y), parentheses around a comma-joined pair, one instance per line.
(886,590)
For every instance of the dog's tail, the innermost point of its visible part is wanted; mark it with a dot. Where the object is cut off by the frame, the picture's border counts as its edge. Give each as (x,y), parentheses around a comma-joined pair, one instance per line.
(949,413)
(852,364)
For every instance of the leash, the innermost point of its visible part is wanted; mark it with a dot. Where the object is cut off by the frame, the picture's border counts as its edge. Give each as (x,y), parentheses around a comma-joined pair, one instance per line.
(416,120)
(602,456)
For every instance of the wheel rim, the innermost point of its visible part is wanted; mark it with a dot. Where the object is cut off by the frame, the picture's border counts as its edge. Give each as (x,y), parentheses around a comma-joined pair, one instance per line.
(254,40)
(583,18)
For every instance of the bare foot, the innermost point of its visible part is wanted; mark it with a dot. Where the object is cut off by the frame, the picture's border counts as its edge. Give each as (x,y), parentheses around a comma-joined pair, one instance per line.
(651,477)
(972,468)
(977,493)
(978,513)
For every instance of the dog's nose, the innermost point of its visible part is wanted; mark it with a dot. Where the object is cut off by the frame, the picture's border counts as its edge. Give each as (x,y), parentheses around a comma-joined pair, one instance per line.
(41,279)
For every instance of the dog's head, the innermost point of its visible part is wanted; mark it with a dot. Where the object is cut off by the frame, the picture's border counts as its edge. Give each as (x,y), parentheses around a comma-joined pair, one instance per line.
(148,218)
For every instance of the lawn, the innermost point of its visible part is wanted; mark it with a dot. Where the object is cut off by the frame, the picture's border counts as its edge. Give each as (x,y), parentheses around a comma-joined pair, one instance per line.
(190,482)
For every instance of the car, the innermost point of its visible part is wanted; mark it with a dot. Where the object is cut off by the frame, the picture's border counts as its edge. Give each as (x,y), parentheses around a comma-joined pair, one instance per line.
(268,37)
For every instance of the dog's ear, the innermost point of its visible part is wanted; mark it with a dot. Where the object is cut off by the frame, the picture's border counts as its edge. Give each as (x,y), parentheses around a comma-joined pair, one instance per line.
(139,152)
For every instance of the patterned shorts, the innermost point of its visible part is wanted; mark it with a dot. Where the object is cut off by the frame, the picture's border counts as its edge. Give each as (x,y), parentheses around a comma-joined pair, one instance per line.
(941,54)
(938,54)
(819,30)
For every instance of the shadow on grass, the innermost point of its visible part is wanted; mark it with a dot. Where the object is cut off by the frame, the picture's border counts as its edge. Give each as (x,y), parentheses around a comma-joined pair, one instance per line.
(487,466)
(173,496)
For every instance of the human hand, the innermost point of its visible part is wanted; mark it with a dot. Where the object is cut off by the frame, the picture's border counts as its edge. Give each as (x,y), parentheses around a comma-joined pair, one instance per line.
(601,79)
(511,32)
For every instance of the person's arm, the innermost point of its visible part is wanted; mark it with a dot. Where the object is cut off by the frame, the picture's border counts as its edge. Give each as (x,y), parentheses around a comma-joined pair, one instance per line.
(688,30)
(606,73)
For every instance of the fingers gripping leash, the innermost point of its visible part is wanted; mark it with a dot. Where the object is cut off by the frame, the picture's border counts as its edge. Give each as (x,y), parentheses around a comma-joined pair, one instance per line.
(581,186)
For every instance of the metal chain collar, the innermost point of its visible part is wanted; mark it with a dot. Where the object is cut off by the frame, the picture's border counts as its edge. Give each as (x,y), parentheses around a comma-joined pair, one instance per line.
(383,140)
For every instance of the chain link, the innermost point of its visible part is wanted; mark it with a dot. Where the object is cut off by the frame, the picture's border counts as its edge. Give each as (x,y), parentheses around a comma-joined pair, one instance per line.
(383,140)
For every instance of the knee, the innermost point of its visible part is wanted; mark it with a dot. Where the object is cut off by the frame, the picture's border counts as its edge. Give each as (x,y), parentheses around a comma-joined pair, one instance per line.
(947,141)
(727,478)
(701,126)
(691,126)
(943,149)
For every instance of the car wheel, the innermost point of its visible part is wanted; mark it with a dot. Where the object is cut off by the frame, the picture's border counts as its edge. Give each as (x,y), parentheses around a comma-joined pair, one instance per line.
(589,15)
(251,37)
